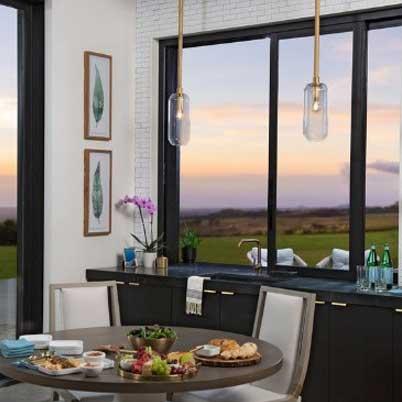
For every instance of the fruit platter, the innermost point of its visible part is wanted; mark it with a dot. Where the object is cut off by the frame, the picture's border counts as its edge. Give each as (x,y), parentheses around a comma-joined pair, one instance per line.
(147,364)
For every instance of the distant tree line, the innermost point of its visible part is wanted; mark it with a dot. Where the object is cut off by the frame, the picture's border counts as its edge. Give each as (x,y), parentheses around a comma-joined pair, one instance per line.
(8,232)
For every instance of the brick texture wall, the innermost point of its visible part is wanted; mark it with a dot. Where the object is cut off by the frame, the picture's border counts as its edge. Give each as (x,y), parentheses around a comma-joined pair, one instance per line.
(157,19)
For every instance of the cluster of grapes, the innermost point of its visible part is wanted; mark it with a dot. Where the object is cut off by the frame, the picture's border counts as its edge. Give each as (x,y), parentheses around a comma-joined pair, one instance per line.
(177,369)
(142,357)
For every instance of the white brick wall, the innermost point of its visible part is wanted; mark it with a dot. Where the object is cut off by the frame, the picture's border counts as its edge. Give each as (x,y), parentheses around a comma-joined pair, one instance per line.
(157,19)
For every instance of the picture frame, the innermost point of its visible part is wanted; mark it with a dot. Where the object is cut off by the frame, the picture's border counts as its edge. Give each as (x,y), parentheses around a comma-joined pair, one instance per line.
(97,192)
(97,96)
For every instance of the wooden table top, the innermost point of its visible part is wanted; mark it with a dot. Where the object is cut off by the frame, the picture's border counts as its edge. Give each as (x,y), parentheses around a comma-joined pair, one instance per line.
(110,382)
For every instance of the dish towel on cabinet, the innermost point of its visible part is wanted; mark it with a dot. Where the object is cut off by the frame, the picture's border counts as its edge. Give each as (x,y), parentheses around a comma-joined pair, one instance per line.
(195,291)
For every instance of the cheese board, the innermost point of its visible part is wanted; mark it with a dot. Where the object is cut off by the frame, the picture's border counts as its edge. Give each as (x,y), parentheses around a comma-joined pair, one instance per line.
(219,362)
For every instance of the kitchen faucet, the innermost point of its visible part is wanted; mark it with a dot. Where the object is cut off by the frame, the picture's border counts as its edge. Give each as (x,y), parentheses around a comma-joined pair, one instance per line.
(256,265)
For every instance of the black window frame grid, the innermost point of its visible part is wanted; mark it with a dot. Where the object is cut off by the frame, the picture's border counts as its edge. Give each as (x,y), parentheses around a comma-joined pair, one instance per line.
(357,22)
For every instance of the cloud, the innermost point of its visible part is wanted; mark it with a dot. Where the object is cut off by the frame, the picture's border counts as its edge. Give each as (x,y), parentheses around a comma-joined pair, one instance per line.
(390,167)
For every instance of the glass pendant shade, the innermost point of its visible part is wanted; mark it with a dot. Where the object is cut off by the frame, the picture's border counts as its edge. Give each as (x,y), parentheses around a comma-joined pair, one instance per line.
(179,119)
(315,121)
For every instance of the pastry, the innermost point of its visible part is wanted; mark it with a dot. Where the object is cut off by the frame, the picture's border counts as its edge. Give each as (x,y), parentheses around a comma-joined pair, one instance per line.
(247,350)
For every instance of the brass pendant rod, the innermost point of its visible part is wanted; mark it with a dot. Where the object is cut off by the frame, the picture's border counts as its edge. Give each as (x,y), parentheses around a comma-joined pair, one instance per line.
(316,74)
(180,48)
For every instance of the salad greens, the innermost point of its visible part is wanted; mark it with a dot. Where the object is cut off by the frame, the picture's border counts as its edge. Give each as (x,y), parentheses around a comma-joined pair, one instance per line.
(155,332)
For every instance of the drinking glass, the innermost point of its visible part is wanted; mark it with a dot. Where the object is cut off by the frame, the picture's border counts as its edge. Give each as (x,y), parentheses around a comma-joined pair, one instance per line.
(381,280)
(362,278)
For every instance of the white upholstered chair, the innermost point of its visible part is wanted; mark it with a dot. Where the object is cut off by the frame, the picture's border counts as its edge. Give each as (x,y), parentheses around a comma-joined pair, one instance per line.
(83,305)
(339,259)
(284,256)
(285,319)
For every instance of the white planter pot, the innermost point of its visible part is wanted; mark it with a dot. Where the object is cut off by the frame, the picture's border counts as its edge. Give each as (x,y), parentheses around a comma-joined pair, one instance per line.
(148,259)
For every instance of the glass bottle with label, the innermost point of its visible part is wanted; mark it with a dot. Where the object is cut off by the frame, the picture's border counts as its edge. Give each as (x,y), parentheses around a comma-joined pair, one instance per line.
(386,264)
(372,265)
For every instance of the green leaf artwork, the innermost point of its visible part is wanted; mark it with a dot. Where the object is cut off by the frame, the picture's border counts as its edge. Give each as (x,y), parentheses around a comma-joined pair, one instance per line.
(98,98)
(97,194)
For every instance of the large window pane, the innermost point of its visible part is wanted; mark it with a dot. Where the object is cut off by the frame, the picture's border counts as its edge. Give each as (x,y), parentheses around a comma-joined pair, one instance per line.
(383,133)
(223,171)
(8,170)
(313,177)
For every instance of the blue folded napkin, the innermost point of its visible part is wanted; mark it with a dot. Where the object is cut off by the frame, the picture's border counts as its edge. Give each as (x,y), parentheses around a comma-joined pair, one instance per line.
(18,348)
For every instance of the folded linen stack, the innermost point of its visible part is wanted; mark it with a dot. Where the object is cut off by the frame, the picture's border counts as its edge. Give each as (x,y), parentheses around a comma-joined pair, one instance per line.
(13,349)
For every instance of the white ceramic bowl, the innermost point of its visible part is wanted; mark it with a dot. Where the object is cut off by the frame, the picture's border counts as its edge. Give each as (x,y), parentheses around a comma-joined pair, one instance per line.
(126,364)
(92,369)
(208,351)
(94,357)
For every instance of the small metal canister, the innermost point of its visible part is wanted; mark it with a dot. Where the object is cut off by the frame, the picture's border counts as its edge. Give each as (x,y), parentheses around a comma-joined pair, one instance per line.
(162,263)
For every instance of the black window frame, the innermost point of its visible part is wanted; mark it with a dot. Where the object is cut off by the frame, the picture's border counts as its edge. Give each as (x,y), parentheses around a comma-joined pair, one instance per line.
(30,166)
(357,22)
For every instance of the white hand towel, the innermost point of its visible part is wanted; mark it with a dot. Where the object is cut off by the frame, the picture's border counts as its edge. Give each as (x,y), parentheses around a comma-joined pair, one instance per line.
(195,291)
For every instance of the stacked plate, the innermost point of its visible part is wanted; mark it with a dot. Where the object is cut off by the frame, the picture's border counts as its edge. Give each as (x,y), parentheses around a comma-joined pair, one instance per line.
(40,341)
(66,347)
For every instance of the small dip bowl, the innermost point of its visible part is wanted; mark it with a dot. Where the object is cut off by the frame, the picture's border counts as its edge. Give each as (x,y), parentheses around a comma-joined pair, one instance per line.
(125,364)
(94,357)
(208,351)
(92,369)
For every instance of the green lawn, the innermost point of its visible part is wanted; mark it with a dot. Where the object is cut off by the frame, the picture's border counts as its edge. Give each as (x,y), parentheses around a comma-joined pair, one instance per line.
(312,248)
(8,262)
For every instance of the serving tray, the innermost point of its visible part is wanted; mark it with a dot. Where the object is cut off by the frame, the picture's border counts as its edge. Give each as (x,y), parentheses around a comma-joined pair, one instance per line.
(140,377)
(219,362)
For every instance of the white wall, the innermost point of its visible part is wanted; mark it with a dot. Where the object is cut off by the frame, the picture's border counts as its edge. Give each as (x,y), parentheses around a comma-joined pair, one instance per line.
(156,19)
(72,26)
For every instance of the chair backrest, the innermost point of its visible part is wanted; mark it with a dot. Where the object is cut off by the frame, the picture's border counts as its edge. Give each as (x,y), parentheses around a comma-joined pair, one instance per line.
(285,318)
(84,305)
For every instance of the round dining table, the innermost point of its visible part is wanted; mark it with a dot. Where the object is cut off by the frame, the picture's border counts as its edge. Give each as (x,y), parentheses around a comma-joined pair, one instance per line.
(110,382)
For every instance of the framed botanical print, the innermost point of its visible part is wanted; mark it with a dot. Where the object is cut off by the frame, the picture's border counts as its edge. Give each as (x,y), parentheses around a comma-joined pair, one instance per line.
(97,96)
(97,192)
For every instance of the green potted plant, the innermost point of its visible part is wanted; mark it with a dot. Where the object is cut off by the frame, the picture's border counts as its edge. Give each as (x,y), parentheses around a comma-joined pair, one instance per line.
(189,243)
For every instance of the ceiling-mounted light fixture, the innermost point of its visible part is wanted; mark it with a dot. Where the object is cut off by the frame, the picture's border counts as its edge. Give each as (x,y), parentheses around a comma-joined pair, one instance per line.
(315,121)
(179,102)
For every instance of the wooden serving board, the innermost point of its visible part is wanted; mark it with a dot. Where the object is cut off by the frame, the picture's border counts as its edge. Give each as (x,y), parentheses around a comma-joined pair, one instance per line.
(219,362)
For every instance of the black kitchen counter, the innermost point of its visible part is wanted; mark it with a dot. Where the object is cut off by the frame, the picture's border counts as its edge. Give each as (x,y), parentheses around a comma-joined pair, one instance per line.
(244,278)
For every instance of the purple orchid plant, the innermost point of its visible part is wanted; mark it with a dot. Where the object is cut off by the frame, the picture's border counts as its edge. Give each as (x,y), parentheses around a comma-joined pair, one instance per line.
(146,208)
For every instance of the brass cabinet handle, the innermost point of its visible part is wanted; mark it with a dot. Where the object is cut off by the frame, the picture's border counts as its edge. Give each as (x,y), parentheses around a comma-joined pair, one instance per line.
(227,293)
(339,304)
(319,302)
(398,310)
(209,291)
(134,284)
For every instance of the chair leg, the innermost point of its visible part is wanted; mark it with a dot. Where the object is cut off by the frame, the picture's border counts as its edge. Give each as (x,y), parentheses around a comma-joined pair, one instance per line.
(55,396)
(169,397)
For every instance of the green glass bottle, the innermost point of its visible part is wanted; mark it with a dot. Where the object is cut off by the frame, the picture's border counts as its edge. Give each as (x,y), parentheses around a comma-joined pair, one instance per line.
(372,264)
(386,263)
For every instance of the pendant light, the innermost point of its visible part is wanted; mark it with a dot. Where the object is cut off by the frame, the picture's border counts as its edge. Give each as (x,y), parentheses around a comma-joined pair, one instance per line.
(315,121)
(179,103)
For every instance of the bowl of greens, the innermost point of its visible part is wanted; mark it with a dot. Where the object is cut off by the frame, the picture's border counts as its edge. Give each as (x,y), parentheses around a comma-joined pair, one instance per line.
(160,339)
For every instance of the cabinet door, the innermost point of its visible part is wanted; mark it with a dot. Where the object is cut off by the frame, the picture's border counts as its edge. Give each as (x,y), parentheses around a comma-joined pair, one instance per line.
(360,354)
(397,356)
(237,312)
(145,305)
(210,311)
(316,386)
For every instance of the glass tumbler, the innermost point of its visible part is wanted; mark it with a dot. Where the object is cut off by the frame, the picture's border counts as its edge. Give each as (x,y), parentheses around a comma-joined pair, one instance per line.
(381,280)
(362,278)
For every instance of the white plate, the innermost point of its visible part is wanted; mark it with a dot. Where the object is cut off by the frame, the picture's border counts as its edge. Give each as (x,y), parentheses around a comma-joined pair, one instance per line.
(66,347)
(40,341)
(60,372)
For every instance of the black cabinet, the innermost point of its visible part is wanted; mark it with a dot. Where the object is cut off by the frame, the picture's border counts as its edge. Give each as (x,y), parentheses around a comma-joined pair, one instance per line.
(360,354)
(145,305)
(210,310)
(397,355)
(316,385)
(237,312)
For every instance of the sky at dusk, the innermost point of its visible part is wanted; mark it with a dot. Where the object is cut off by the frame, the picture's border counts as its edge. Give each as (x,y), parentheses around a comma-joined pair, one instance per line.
(225,164)
(8,106)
